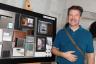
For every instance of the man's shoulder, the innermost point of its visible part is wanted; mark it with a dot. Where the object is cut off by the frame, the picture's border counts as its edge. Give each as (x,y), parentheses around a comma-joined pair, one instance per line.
(85,31)
(61,30)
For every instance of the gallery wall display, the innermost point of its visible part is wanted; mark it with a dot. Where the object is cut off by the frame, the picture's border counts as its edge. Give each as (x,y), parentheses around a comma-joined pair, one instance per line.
(26,36)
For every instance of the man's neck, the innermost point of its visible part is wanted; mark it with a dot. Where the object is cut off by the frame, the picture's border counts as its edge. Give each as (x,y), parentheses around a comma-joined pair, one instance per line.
(74,28)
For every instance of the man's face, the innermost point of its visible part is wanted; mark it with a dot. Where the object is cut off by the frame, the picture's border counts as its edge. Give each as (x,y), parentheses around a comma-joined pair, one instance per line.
(74,17)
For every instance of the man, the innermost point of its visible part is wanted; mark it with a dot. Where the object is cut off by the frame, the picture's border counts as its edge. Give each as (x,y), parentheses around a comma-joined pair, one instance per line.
(65,51)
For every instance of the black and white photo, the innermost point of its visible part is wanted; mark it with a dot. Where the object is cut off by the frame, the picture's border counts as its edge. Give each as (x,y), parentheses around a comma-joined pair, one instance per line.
(41,44)
(42,27)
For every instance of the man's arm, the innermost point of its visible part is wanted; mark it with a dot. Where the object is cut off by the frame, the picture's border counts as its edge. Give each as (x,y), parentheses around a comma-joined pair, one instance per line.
(91,58)
(67,55)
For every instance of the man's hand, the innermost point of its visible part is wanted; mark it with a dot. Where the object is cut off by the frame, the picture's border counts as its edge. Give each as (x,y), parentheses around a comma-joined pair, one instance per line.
(70,56)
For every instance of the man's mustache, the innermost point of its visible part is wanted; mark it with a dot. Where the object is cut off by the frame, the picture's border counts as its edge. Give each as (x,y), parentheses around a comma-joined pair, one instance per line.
(73,20)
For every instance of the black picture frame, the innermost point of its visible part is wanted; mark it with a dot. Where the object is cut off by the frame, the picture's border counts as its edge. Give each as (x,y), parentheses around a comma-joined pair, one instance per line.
(45,27)
(27,21)
(40,44)
(42,27)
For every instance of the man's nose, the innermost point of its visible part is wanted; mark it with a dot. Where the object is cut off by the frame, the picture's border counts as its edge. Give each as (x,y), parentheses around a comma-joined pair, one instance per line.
(73,17)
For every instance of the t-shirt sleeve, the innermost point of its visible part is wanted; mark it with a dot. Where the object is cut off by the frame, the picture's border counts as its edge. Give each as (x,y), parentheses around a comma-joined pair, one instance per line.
(57,40)
(90,48)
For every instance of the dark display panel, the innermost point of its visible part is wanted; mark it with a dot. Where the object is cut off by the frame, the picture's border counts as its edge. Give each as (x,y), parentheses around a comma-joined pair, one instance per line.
(25,36)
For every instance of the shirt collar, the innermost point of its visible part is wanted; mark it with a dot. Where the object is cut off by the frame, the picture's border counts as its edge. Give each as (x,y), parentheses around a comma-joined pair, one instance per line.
(69,29)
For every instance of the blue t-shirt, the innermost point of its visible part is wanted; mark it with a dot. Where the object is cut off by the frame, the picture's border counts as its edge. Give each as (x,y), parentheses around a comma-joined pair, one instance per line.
(83,39)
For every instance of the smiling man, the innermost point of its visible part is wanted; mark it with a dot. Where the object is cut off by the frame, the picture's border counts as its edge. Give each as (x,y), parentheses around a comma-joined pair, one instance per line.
(65,51)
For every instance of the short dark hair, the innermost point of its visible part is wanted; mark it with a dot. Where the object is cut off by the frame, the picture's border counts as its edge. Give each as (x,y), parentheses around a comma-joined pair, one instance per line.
(79,8)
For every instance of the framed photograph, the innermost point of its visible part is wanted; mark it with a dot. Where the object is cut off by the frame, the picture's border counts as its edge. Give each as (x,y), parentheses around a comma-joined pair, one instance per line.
(7,34)
(30,22)
(19,42)
(6,49)
(48,46)
(27,21)
(23,21)
(18,51)
(19,38)
(42,27)
(49,41)
(41,44)
(29,46)
(29,49)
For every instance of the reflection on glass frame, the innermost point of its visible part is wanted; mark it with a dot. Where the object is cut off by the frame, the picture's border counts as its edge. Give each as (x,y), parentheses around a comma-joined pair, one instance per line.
(42,27)
(41,44)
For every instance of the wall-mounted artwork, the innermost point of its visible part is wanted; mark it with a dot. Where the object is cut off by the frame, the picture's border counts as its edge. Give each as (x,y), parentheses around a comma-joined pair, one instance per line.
(41,44)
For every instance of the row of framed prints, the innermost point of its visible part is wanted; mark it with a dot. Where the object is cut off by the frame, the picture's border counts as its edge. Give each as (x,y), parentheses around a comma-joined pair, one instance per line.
(34,36)
(41,42)
(43,46)
(27,47)
(33,39)
(28,24)
(24,45)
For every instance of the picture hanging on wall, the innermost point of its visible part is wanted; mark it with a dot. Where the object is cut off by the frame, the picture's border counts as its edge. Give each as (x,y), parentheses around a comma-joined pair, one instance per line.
(42,27)
(26,21)
(41,44)
(29,49)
